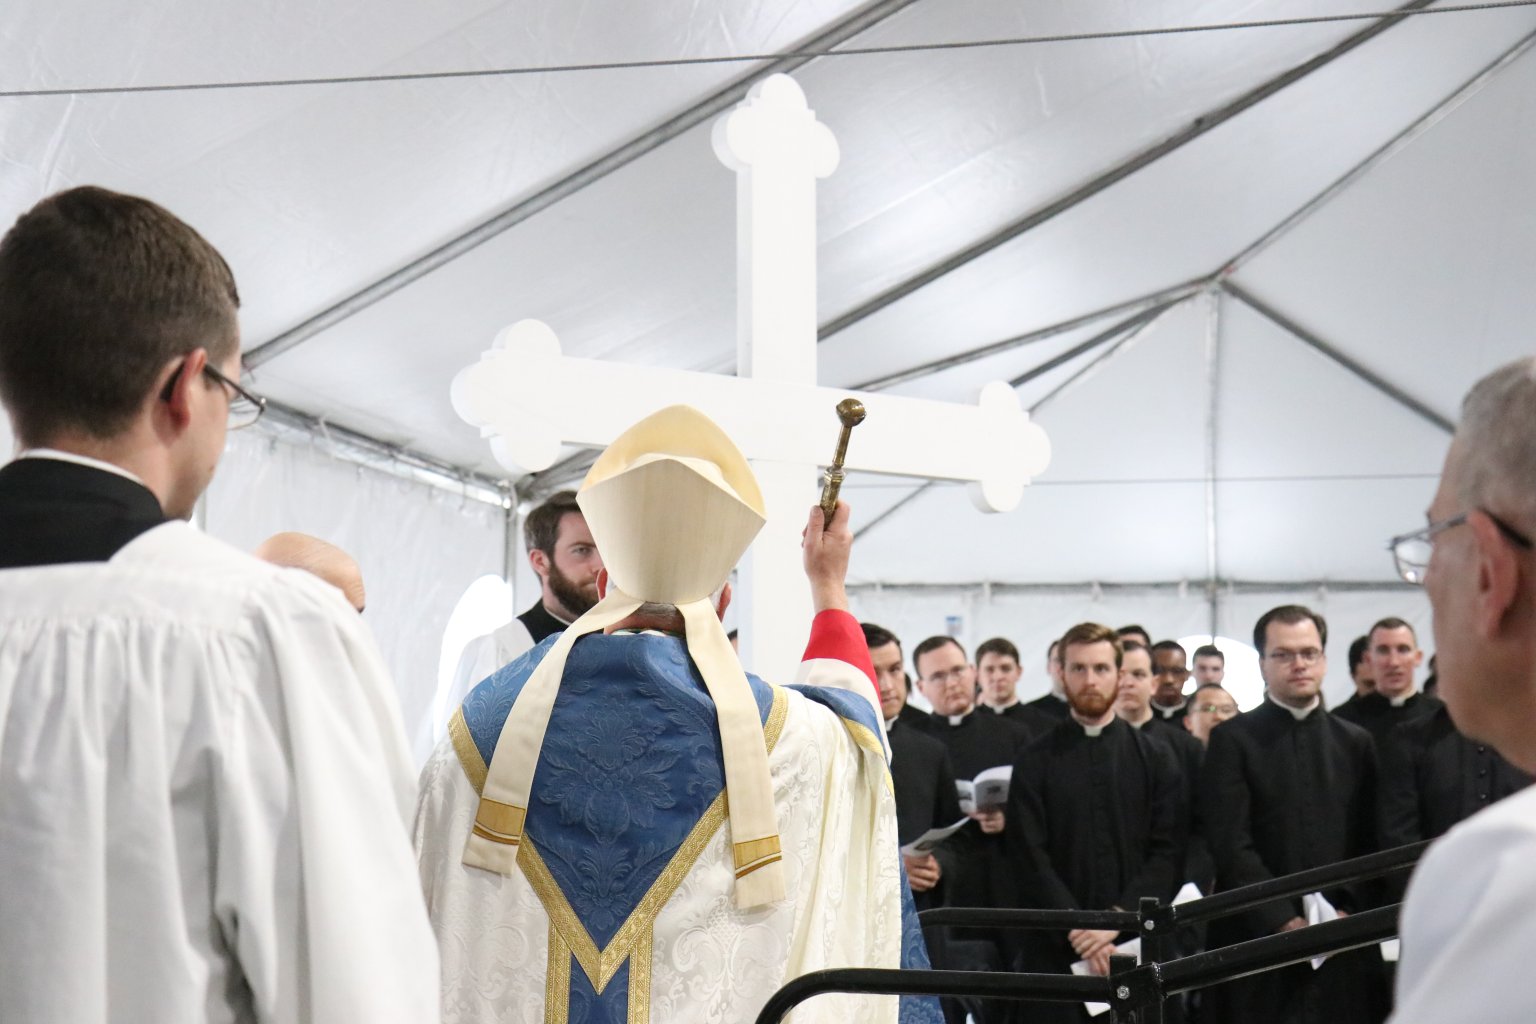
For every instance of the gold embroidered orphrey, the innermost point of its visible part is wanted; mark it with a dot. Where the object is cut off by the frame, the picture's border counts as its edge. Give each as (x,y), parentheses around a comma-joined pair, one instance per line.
(568,937)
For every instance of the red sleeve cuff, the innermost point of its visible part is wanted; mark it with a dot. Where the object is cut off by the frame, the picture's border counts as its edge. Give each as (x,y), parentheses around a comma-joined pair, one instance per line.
(837,634)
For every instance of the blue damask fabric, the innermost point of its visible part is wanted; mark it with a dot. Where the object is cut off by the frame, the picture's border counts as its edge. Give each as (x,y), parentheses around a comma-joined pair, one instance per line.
(914,957)
(630,762)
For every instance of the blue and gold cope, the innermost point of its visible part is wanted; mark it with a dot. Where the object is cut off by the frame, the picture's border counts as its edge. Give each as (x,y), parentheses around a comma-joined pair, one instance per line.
(628,791)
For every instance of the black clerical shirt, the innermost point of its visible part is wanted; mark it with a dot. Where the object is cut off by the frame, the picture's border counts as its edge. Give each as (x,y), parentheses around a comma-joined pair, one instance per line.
(53,512)
(1378,716)
(1094,819)
(540,623)
(1433,777)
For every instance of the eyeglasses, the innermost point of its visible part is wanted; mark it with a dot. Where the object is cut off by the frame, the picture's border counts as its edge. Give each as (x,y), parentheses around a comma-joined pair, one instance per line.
(1411,551)
(957,674)
(1307,656)
(1227,710)
(245,407)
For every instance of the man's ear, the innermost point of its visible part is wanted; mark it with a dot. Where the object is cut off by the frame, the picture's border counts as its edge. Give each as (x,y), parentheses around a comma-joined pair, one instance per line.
(540,562)
(602,583)
(174,387)
(723,603)
(1498,576)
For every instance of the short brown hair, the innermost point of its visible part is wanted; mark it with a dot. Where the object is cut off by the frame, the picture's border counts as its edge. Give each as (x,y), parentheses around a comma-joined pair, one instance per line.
(1085,633)
(1288,615)
(933,643)
(1000,646)
(1390,622)
(542,527)
(98,292)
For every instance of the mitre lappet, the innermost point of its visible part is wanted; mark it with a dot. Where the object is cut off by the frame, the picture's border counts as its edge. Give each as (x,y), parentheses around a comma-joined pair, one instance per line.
(672,505)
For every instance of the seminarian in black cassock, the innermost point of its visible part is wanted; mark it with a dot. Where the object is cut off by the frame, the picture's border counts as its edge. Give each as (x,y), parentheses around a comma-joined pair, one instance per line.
(1433,777)
(976,740)
(924,783)
(1288,787)
(1394,656)
(1094,816)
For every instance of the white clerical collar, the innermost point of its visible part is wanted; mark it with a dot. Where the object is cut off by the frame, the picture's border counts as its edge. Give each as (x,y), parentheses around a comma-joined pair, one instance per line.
(1092,731)
(957,719)
(1297,713)
(59,455)
(1398,702)
(1165,711)
(888,723)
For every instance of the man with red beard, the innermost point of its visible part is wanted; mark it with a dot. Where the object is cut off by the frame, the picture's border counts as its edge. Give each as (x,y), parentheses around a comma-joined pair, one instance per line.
(565,559)
(1094,816)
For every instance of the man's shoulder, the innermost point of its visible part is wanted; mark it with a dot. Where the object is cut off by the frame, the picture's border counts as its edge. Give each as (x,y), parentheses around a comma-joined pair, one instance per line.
(172,570)
(913,744)
(1350,732)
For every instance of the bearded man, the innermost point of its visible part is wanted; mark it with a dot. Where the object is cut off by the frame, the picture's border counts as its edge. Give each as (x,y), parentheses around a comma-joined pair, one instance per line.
(1094,816)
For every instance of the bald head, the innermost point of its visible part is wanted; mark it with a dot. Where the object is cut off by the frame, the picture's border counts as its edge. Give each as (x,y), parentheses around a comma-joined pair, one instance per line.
(315,556)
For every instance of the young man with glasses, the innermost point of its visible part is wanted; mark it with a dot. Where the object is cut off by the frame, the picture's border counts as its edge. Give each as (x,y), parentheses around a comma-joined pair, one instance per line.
(976,741)
(204,786)
(1288,787)
(1465,925)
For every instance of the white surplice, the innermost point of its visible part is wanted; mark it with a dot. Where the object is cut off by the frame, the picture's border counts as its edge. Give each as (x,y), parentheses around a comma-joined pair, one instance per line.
(1466,924)
(709,962)
(204,798)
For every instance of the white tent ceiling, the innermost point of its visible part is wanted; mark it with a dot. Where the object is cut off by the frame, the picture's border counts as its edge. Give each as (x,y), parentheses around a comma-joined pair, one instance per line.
(1211,443)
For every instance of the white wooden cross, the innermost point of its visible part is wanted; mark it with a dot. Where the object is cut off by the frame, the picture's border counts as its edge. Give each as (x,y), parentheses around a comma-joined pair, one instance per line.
(523,392)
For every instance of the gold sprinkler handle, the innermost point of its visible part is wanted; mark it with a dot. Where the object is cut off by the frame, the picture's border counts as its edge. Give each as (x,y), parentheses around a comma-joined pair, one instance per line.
(850,412)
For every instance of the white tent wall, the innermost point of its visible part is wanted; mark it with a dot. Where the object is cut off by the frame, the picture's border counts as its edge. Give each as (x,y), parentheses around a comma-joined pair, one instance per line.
(1033,618)
(419,547)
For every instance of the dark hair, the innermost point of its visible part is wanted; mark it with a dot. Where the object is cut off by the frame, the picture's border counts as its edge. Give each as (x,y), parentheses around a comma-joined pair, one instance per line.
(542,527)
(1125,631)
(1210,651)
(1206,686)
(999,646)
(1134,645)
(1089,633)
(1288,615)
(1357,652)
(878,636)
(1172,645)
(98,293)
(933,643)
(1392,622)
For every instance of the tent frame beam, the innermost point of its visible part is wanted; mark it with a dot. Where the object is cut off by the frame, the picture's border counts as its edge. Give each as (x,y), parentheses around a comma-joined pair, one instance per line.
(1471,87)
(1119,172)
(1355,368)
(1117,338)
(1141,302)
(698,113)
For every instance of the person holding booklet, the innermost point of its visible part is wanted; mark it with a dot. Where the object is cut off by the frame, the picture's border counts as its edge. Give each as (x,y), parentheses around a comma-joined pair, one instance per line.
(1095,819)
(977,742)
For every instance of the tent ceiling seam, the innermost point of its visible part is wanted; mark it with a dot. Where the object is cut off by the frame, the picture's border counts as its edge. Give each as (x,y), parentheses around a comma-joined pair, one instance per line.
(1357,369)
(715,103)
(1105,179)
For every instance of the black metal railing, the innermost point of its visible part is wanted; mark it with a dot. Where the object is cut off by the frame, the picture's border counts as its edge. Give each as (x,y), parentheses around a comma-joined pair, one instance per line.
(1134,992)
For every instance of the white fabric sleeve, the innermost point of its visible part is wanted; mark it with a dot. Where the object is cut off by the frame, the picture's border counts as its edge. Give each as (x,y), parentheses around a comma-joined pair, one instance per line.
(317,891)
(1467,926)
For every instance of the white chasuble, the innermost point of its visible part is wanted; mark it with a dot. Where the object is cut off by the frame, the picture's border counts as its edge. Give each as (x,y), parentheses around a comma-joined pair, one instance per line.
(204,797)
(621,907)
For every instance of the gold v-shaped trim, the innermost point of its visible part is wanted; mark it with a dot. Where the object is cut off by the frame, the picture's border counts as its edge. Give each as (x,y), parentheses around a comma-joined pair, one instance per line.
(635,934)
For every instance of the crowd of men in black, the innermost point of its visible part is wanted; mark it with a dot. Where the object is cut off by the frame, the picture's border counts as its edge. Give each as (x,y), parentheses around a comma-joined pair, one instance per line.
(1123,786)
